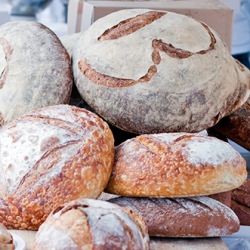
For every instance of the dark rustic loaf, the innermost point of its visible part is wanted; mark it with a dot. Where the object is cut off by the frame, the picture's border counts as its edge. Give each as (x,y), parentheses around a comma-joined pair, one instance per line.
(237,126)
(242,211)
(92,224)
(175,165)
(189,217)
(147,71)
(242,194)
(35,69)
(48,157)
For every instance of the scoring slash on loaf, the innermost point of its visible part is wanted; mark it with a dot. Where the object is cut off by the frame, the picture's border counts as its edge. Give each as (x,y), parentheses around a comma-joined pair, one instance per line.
(48,157)
(92,224)
(175,165)
(183,217)
(147,71)
(35,69)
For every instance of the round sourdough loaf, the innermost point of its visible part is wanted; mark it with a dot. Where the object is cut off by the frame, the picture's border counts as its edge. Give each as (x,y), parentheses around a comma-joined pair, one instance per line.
(35,69)
(175,165)
(183,217)
(48,157)
(92,224)
(148,71)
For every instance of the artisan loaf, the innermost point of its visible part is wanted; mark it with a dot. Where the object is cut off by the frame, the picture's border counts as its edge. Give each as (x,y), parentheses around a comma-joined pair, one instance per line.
(35,69)
(48,157)
(242,211)
(242,194)
(183,217)
(92,224)
(224,197)
(148,71)
(175,165)
(237,126)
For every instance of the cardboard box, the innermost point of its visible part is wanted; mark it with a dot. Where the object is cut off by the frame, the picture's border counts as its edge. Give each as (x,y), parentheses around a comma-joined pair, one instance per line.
(81,14)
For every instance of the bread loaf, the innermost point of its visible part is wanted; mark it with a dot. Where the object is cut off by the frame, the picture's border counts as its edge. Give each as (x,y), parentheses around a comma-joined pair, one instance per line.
(48,157)
(147,71)
(242,211)
(189,217)
(187,244)
(242,194)
(237,126)
(92,224)
(35,69)
(6,239)
(175,165)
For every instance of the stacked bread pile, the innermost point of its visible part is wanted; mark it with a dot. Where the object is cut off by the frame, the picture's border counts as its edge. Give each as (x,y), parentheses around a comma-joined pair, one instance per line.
(144,73)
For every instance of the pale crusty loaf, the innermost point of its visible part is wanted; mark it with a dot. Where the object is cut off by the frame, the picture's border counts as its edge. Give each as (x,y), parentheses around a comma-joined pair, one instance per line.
(92,224)
(148,71)
(187,244)
(35,69)
(175,165)
(183,217)
(48,157)
(70,41)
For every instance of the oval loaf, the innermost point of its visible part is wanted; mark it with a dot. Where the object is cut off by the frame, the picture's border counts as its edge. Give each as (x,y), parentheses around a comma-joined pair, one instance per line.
(175,165)
(35,69)
(48,157)
(147,71)
(183,217)
(92,224)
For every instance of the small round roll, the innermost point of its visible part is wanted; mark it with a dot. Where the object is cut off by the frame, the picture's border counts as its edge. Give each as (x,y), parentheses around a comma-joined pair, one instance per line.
(175,165)
(92,224)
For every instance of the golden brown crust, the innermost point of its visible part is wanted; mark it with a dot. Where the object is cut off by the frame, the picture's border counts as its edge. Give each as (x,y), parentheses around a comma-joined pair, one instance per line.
(63,171)
(189,217)
(106,225)
(237,126)
(175,165)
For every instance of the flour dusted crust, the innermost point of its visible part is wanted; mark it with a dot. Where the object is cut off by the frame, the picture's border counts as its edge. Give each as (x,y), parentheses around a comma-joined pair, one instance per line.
(35,69)
(183,217)
(70,41)
(48,157)
(175,165)
(92,224)
(148,71)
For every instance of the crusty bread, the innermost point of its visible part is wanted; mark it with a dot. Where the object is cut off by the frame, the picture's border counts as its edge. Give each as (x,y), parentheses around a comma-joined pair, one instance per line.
(92,224)
(48,157)
(242,194)
(237,126)
(187,244)
(148,71)
(242,211)
(183,217)
(175,165)
(35,69)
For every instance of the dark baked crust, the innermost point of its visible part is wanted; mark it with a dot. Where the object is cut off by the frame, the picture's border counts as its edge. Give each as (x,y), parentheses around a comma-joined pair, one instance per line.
(243,212)
(184,217)
(224,197)
(237,126)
